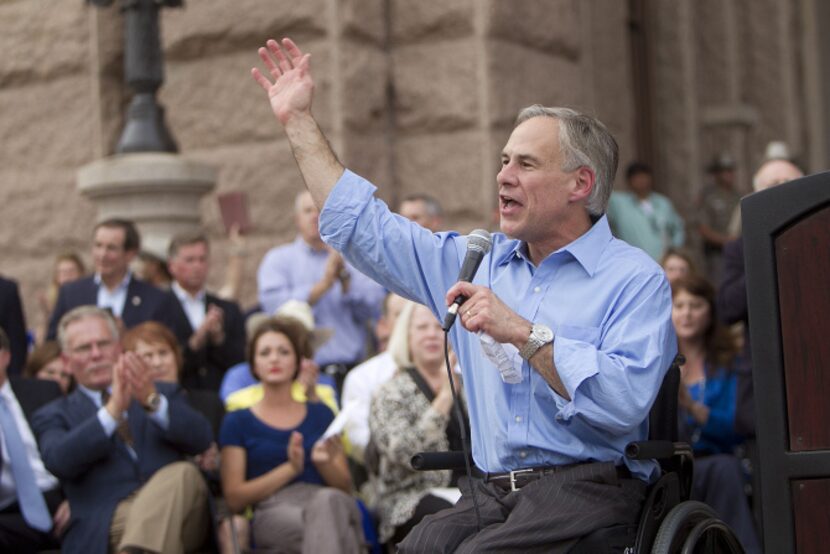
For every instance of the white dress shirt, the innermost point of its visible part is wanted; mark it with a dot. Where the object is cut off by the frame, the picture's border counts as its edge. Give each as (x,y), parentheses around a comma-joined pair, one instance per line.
(45,480)
(359,386)
(113,299)
(195,307)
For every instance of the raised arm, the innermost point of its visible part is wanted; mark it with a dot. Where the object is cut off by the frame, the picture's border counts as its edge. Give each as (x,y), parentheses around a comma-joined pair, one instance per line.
(290,89)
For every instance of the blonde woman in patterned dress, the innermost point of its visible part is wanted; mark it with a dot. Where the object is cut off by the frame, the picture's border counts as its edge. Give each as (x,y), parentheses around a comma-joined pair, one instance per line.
(413,412)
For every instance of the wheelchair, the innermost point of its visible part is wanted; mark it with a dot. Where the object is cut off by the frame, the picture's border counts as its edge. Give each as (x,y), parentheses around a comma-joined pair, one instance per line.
(669,522)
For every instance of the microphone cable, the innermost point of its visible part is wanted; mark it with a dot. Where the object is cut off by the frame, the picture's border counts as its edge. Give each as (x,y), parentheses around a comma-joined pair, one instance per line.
(465,447)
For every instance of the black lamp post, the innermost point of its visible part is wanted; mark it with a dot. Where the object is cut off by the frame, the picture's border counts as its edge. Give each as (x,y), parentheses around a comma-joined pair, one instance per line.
(145,130)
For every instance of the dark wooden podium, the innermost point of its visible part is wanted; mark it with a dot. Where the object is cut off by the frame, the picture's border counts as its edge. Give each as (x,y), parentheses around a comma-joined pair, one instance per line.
(786,233)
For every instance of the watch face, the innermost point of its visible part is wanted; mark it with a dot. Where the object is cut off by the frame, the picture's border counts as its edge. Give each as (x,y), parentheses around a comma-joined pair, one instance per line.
(544,333)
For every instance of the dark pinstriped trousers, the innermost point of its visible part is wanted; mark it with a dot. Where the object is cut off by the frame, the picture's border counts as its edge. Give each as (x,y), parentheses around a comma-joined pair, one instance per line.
(546,515)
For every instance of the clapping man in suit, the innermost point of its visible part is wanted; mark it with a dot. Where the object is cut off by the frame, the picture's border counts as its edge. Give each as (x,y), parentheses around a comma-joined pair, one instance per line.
(115,244)
(117,443)
(32,513)
(210,330)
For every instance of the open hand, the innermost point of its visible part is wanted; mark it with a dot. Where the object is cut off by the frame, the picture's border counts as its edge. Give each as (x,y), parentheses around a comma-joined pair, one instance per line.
(296,452)
(325,451)
(292,88)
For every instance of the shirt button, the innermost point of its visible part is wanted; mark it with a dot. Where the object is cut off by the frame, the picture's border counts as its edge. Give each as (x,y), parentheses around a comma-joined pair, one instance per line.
(537,289)
(522,454)
(518,419)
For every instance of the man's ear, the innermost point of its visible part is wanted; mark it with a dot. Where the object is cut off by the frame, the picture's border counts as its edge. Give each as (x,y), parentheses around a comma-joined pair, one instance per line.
(131,254)
(584,182)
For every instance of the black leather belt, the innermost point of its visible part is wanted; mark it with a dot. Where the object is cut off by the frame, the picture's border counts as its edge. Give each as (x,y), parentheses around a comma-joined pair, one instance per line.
(518,478)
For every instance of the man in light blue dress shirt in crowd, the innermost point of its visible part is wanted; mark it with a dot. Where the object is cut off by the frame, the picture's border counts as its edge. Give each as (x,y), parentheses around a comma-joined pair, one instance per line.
(583,317)
(342,299)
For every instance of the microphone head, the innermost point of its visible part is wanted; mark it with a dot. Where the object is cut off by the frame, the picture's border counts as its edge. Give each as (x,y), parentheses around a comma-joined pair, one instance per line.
(480,240)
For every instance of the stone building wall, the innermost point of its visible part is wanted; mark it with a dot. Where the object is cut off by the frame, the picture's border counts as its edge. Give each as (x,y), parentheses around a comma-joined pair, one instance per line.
(416,96)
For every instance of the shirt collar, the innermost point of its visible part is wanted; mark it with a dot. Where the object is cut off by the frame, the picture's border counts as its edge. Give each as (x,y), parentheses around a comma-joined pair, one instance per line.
(94,395)
(122,285)
(586,249)
(185,296)
(6,389)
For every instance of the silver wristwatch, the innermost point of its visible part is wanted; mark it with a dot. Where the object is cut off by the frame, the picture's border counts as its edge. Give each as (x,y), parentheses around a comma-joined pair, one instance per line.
(540,335)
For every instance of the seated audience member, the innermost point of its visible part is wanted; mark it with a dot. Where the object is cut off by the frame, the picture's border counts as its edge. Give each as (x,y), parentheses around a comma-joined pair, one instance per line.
(308,383)
(732,299)
(32,513)
(45,362)
(118,445)
(158,347)
(115,244)
(362,382)
(642,217)
(274,457)
(210,330)
(13,322)
(677,263)
(708,404)
(68,267)
(411,413)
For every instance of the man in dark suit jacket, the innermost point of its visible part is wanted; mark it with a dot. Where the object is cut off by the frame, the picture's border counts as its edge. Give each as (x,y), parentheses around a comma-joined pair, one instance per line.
(210,330)
(12,320)
(115,243)
(732,303)
(117,443)
(22,397)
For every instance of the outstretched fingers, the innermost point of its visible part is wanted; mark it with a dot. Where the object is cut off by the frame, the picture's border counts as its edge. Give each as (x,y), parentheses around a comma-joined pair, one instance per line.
(261,79)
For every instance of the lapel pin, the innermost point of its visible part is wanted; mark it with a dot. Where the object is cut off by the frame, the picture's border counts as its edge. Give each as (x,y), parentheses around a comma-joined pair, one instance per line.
(136,300)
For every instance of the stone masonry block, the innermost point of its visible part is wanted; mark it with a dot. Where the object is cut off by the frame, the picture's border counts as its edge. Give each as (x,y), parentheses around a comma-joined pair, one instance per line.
(434,91)
(369,156)
(449,167)
(208,27)
(214,101)
(519,77)
(363,18)
(365,80)
(46,123)
(42,39)
(431,19)
(549,25)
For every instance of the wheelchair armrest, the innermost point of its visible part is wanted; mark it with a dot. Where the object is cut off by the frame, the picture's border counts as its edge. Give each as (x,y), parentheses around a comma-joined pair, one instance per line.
(658,450)
(430,461)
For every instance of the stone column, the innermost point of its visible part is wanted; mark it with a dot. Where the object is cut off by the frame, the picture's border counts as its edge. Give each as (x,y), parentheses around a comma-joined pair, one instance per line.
(160,192)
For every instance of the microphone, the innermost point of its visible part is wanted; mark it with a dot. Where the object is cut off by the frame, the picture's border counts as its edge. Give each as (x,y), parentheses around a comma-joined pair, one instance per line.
(478,244)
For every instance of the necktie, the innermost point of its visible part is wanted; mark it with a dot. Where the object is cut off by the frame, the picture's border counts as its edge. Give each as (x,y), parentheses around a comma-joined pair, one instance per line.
(32,505)
(123,428)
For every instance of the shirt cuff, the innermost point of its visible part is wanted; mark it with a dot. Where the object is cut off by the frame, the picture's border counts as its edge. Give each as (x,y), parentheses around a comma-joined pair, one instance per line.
(575,359)
(109,423)
(162,415)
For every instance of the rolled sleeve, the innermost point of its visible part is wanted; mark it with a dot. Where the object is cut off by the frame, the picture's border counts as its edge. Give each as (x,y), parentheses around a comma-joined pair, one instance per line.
(614,388)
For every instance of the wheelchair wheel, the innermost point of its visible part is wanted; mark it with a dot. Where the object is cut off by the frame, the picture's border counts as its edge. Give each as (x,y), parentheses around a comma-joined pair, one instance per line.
(711,535)
(679,525)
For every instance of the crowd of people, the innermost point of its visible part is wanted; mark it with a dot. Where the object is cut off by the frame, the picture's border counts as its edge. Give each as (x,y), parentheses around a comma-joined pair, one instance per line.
(140,406)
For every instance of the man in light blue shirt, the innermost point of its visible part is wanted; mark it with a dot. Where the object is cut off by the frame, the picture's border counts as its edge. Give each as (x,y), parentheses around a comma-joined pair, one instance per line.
(584,317)
(343,300)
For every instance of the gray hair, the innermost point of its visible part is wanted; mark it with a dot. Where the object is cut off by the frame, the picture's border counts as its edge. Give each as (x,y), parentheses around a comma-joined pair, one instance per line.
(584,141)
(84,312)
